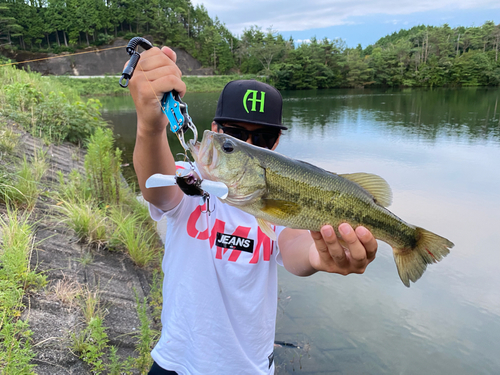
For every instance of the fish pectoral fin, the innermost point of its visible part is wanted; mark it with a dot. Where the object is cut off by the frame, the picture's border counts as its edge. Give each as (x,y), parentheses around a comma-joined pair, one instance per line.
(280,208)
(373,184)
(266,228)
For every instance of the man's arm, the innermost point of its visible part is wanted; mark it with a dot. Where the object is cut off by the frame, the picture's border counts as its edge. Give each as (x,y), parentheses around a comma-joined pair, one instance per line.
(305,253)
(155,74)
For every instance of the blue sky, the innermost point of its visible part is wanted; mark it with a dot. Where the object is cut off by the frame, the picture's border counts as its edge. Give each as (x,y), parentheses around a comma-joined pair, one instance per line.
(355,21)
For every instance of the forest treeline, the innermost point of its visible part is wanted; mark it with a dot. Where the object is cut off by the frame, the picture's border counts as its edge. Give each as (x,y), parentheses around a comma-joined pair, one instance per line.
(420,56)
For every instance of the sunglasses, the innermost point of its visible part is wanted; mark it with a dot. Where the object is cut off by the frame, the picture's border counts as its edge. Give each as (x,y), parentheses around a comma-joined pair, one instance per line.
(260,137)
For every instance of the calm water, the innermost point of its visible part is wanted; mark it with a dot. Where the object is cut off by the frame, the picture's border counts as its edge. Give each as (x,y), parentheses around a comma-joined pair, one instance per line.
(440,152)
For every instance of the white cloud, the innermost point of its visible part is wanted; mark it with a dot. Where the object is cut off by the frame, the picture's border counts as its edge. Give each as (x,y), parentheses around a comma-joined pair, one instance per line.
(294,15)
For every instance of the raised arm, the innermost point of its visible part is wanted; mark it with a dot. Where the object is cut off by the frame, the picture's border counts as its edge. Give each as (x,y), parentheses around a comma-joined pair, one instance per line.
(155,74)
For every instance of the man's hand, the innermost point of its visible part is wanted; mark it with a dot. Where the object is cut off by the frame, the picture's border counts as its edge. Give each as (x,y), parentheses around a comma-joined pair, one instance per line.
(305,253)
(352,254)
(155,74)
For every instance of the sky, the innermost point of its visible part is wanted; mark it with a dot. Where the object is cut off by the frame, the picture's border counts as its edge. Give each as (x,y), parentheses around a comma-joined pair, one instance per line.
(355,21)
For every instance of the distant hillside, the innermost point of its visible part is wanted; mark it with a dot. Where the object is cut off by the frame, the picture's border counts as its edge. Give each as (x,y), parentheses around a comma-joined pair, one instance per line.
(424,56)
(65,26)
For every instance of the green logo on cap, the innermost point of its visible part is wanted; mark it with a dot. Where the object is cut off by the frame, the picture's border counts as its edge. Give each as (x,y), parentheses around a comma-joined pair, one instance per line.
(254,100)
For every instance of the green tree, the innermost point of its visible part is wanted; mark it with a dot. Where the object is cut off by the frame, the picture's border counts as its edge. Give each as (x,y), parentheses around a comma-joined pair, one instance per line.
(8,26)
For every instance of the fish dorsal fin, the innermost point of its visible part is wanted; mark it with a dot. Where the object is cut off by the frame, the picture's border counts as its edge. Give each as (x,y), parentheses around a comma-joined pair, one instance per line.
(373,184)
(265,227)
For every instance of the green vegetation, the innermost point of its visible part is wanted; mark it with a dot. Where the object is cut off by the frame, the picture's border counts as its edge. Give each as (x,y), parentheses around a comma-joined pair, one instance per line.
(87,220)
(147,337)
(92,86)
(132,233)
(8,139)
(22,187)
(47,109)
(87,211)
(214,83)
(102,210)
(16,278)
(82,203)
(102,166)
(421,56)
(91,344)
(58,26)
(109,85)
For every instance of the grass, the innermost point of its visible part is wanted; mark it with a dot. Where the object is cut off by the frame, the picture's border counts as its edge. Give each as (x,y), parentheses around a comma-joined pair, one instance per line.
(16,279)
(156,296)
(87,220)
(213,83)
(132,233)
(91,343)
(9,75)
(126,225)
(67,291)
(147,337)
(48,109)
(83,204)
(102,167)
(86,259)
(99,86)
(108,86)
(8,138)
(72,188)
(22,187)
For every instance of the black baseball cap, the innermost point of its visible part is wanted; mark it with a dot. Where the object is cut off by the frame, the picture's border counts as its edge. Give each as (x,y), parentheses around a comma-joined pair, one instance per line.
(250,101)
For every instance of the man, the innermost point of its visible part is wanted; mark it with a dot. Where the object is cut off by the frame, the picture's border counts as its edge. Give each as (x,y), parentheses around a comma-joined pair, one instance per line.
(220,301)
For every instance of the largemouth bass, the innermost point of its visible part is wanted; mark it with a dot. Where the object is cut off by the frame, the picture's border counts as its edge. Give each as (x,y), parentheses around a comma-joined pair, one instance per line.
(279,190)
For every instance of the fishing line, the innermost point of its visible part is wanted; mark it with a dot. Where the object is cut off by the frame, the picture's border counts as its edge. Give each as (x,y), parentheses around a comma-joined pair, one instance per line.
(81,53)
(57,57)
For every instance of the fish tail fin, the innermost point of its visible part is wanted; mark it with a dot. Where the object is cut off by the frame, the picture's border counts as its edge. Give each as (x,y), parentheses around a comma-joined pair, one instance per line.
(430,248)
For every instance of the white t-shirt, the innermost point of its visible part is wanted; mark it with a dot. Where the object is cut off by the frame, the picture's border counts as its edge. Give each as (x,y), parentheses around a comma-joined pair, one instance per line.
(219,291)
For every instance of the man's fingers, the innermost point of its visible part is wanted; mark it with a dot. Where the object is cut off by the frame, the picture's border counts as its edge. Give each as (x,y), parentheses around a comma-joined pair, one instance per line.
(169,81)
(163,78)
(369,242)
(323,259)
(159,72)
(335,249)
(156,59)
(358,255)
(350,254)
(170,53)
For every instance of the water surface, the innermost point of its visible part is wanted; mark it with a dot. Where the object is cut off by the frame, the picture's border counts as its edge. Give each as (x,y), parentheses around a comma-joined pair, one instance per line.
(440,152)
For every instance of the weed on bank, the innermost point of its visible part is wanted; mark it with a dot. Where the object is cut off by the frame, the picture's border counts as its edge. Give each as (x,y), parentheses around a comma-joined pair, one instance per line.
(46,108)
(97,206)
(16,279)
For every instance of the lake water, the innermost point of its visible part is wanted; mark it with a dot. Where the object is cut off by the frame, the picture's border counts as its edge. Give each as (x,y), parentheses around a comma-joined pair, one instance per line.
(440,152)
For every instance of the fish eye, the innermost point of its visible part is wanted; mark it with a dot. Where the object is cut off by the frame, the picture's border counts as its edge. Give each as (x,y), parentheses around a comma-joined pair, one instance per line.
(228,146)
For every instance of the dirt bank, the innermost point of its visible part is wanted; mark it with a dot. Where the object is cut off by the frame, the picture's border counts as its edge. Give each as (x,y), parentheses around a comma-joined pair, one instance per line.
(100,62)
(58,254)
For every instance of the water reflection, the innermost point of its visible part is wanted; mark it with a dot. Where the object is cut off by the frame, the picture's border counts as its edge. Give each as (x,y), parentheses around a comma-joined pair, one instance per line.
(472,113)
(440,151)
